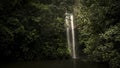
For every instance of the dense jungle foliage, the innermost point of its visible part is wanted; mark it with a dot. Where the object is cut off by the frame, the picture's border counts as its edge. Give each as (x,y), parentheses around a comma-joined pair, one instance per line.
(33,29)
(99,30)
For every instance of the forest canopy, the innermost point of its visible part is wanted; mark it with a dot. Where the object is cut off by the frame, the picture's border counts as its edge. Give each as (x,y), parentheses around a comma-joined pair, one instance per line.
(35,29)
(99,32)
(32,29)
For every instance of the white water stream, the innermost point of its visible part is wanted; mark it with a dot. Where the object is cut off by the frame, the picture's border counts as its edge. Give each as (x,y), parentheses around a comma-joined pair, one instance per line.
(70,34)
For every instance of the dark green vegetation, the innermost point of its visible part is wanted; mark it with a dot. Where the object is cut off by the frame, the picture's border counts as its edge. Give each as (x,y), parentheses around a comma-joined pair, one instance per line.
(35,29)
(32,29)
(99,30)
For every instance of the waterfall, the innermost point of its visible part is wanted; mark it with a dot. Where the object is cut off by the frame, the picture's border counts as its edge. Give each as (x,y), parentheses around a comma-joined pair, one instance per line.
(73,36)
(68,31)
(70,34)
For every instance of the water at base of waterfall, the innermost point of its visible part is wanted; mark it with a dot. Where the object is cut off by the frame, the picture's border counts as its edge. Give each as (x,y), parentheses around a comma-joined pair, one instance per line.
(53,64)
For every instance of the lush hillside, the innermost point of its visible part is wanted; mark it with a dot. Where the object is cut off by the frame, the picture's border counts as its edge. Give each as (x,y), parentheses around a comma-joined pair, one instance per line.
(35,29)
(99,30)
(32,29)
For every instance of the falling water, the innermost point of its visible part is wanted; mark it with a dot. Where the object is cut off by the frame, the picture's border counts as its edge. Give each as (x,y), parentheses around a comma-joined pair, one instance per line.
(68,31)
(70,34)
(73,36)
